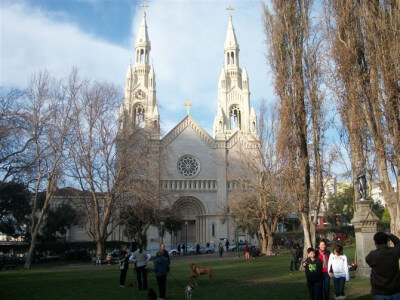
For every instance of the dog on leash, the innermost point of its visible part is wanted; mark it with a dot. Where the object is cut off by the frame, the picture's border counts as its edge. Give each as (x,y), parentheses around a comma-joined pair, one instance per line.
(151,294)
(188,291)
(196,271)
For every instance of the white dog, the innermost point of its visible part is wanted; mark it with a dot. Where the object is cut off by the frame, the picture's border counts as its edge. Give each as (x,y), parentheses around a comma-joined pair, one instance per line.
(188,291)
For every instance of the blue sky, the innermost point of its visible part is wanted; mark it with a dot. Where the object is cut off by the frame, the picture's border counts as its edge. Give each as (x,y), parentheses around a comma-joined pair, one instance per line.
(187,39)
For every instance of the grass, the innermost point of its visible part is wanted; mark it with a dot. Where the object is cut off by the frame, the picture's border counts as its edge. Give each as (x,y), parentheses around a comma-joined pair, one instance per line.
(263,278)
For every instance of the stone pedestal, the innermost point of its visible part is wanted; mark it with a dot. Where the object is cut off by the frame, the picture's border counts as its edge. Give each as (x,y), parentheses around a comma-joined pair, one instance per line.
(365,226)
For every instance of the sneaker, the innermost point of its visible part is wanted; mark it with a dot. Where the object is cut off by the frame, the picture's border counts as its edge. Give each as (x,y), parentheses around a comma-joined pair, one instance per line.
(121,286)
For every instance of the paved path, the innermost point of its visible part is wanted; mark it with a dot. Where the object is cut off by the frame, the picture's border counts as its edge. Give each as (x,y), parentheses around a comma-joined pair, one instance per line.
(174,259)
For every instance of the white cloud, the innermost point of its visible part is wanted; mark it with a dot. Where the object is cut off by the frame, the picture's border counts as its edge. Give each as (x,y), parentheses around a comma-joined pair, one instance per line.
(187,41)
(33,41)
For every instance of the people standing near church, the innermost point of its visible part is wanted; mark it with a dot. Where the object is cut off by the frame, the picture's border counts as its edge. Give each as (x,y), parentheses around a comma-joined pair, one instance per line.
(246,252)
(140,257)
(339,271)
(313,269)
(98,260)
(384,263)
(323,254)
(183,248)
(198,248)
(161,268)
(165,253)
(294,257)
(227,245)
(123,265)
(220,249)
(179,249)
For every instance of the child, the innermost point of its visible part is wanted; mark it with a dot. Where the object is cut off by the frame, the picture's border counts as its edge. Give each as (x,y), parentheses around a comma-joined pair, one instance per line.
(313,268)
(339,271)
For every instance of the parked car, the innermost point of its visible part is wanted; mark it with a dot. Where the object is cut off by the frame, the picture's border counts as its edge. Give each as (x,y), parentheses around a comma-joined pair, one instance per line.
(174,251)
(203,250)
(339,237)
(232,247)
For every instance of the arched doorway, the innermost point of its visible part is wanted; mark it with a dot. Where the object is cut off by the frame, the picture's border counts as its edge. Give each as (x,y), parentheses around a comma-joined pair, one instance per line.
(192,211)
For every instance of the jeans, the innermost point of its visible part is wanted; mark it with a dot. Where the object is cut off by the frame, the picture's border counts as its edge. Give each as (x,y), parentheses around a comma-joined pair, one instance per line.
(315,290)
(162,285)
(339,285)
(122,276)
(387,297)
(293,263)
(141,272)
(325,285)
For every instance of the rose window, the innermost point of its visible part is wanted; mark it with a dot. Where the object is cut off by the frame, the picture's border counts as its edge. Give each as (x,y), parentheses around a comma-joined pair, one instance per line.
(188,166)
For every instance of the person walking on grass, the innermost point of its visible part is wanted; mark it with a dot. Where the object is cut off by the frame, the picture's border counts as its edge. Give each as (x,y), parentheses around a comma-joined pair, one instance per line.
(161,268)
(123,265)
(140,257)
(294,257)
(384,263)
(247,251)
(339,271)
(220,249)
(313,269)
(323,254)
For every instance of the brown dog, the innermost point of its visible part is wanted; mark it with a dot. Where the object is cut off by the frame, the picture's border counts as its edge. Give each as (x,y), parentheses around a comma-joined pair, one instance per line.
(195,271)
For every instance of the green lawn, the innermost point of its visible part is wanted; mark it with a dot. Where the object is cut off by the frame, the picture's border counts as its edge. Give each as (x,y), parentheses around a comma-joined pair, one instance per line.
(263,278)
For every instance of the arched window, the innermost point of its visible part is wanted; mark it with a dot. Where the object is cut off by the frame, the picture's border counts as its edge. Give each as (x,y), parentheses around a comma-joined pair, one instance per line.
(139,116)
(142,55)
(235,117)
(232,58)
(253,128)
(220,126)
(227,59)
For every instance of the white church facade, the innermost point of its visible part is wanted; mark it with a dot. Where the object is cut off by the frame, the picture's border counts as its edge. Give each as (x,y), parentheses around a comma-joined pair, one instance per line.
(194,173)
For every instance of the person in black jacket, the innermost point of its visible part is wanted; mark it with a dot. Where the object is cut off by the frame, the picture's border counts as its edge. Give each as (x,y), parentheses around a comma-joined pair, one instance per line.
(165,253)
(384,263)
(313,269)
(294,257)
(123,264)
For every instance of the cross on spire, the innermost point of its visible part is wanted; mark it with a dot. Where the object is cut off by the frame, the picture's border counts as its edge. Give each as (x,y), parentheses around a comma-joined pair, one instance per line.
(144,5)
(188,104)
(230,8)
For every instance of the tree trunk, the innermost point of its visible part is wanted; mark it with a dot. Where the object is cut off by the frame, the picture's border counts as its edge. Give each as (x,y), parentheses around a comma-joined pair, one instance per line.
(263,239)
(100,247)
(270,244)
(307,236)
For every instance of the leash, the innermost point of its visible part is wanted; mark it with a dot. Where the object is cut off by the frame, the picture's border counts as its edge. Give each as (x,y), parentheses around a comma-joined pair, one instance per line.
(183,287)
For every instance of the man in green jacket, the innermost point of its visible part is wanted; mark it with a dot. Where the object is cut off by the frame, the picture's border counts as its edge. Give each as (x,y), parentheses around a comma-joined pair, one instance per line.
(161,268)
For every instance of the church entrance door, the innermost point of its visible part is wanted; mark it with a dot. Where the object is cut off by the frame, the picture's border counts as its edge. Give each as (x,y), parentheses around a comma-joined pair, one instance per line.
(190,209)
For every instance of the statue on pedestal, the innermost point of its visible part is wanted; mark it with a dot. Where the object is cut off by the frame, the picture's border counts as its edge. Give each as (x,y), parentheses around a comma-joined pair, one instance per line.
(361,180)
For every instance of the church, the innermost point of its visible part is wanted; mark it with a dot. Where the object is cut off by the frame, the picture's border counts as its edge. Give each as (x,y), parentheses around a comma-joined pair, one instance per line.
(196,165)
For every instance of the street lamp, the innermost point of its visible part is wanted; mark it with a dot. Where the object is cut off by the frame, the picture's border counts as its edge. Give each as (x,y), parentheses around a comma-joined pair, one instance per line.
(162,232)
(237,238)
(186,226)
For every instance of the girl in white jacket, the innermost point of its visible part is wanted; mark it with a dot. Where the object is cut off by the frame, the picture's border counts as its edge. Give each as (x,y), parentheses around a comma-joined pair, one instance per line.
(339,271)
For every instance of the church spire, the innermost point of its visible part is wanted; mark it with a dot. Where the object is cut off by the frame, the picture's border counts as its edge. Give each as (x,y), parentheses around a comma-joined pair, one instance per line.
(231,47)
(142,44)
(140,107)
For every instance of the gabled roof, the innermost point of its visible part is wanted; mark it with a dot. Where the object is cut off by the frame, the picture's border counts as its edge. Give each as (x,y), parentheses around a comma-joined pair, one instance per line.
(188,121)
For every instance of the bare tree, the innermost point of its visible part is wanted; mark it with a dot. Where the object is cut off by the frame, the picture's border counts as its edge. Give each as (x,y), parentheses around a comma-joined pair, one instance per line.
(259,197)
(286,32)
(14,137)
(113,167)
(365,47)
(49,116)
